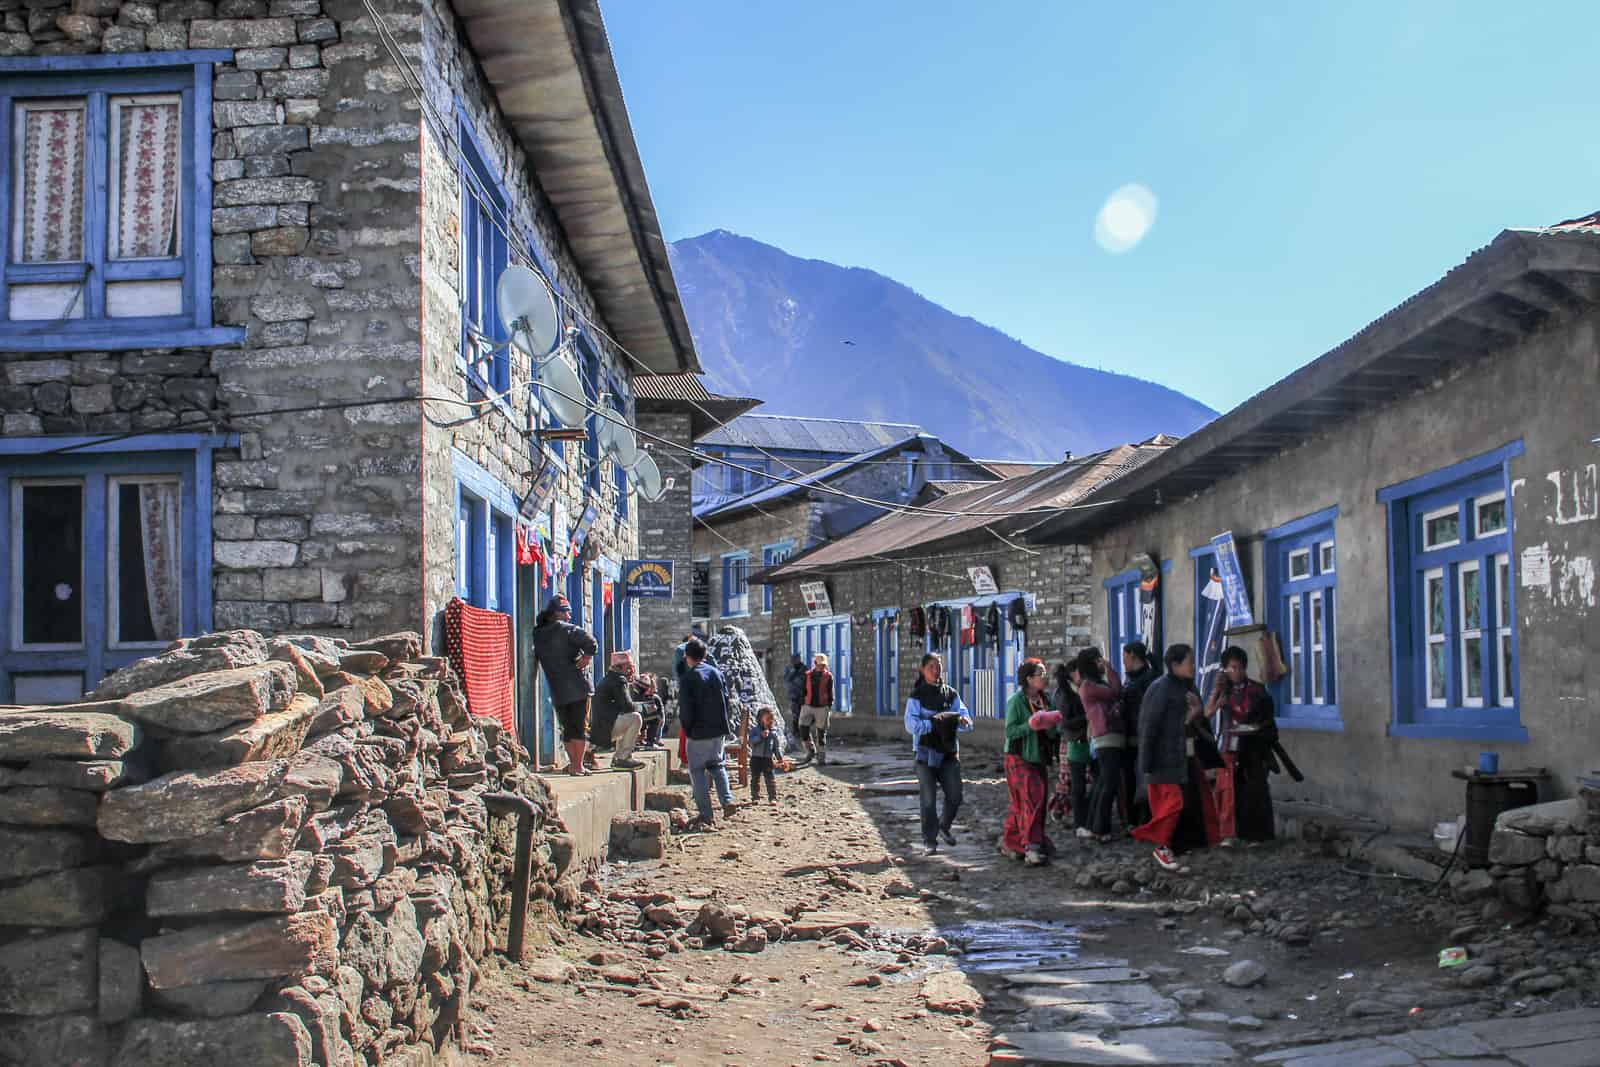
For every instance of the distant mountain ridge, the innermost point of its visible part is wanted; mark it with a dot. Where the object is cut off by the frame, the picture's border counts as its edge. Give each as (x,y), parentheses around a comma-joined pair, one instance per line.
(809,337)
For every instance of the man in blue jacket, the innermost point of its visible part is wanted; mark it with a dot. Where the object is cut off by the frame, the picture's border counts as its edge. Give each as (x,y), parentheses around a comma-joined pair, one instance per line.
(703,718)
(934,715)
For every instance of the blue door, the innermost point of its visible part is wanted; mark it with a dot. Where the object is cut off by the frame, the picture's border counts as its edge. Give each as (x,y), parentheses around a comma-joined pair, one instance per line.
(886,660)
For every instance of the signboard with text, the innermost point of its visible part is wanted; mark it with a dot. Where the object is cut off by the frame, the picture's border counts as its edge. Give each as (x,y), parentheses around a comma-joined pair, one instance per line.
(982,581)
(817,603)
(647,578)
(1234,594)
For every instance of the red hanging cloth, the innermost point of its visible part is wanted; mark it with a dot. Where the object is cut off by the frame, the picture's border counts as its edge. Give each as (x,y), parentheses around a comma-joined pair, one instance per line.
(479,644)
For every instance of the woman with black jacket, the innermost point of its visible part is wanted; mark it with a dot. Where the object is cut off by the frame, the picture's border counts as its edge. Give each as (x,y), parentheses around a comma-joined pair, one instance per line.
(1072,775)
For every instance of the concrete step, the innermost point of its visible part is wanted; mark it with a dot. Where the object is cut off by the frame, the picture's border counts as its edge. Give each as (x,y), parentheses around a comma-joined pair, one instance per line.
(588,803)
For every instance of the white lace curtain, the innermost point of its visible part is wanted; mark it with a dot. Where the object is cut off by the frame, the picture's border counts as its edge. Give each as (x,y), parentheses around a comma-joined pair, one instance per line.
(159,529)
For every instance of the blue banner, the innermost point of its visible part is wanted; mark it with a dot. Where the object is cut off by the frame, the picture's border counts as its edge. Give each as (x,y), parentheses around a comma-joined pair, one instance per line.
(1234,594)
(647,578)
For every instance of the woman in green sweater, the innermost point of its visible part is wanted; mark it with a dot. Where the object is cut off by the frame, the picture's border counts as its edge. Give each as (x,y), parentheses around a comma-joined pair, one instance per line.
(1033,732)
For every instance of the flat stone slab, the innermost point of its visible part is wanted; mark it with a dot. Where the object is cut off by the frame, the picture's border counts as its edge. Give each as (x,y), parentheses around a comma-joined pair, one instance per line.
(65,733)
(1331,1048)
(817,923)
(1443,1041)
(894,787)
(1533,1030)
(1174,1046)
(1099,993)
(1567,1054)
(1076,976)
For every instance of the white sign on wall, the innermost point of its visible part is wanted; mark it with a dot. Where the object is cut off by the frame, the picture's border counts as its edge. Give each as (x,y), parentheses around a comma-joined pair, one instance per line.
(817,603)
(982,581)
(1536,567)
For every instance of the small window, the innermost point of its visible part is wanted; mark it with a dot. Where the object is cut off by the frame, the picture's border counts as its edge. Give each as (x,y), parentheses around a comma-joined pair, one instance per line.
(144,561)
(1491,512)
(735,585)
(47,555)
(1441,529)
(1300,563)
(1325,557)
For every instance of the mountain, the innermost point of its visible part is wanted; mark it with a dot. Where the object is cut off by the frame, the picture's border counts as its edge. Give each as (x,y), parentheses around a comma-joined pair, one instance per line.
(774,326)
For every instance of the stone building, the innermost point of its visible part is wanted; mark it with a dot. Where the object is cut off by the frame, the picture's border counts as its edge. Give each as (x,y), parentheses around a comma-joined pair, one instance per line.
(747,520)
(876,576)
(251,236)
(1415,518)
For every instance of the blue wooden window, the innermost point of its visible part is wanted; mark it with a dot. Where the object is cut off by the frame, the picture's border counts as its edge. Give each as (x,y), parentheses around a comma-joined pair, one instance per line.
(589,368)
(735,584)
(1453,624)
(619,473)
(1302,577)
(105,554)
(485,539)
(771,556)
(485,254)
(886,649)
(105,175)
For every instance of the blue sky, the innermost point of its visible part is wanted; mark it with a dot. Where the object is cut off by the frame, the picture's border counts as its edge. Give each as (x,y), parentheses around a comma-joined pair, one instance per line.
(1311,167)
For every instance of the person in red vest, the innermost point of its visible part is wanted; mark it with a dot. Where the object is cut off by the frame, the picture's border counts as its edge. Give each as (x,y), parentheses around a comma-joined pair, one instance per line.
(816,709)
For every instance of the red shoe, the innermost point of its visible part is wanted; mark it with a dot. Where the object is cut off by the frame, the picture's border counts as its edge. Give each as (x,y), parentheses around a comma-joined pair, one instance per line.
(1166,859)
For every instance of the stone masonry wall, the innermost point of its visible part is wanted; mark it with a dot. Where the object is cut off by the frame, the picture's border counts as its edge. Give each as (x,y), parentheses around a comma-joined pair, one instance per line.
(1544,857)
(1057,576)
(797,520)
(666,531)
(495,441)
(273,852)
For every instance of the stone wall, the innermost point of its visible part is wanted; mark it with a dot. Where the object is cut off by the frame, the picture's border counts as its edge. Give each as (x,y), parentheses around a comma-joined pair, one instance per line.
(1057,576)
(795,519)
(666,531)
(1545,857)
(277,851)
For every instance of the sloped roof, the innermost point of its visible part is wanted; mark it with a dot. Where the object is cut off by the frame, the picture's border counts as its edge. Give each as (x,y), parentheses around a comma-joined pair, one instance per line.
(686,392)
(1011,468)
(801,433)
(800,482)
(967,513)
(1520,282)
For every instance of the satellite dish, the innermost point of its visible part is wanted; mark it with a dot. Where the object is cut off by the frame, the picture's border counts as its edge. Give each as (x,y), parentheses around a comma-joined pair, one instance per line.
(618,439)
(528,311)
(563,392)
(648,477)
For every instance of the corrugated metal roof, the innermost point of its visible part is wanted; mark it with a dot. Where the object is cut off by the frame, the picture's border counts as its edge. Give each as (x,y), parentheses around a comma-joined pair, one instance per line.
(805,434)
(966,513)
(670,387)
(780,490)
(1012,468)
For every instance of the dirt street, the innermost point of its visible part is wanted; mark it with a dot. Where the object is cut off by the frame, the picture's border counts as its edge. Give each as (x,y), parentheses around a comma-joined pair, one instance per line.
(831,939)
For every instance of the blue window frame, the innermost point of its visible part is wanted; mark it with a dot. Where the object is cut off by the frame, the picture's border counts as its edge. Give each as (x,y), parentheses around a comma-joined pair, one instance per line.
(105,556)
(105,177)
(1133,613)
(619,473)
(886,659)
(485,545)
(1453,624)
(771,556)
(589,367)
(485,253)
(735,584)
(1301,561)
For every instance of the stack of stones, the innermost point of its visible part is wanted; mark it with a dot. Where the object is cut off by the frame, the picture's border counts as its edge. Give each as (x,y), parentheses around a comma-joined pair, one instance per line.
(271,851)
(1547,857)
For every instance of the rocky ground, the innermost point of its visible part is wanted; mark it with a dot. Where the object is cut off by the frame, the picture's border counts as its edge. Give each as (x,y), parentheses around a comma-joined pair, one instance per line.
(814,931)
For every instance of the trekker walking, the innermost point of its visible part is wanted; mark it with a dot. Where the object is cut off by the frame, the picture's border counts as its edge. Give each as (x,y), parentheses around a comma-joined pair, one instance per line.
(1246,729)
(1032,735)
(1101,690)
(794,682)
(816,708)
(766,749)
(1072,783)
(616,719)
(703,718)
(934,715)
(564,652)
(1170,705)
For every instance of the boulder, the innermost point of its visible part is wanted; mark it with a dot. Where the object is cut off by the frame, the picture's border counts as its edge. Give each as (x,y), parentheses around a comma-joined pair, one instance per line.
(1244,974)
(1511,848)
(81,896)
(285,946)
(406,645)
(1474,885)
(276,734)
(338,708)
(181,663)
(80,731)
(121,981)
(952,993)
(51,974)
(317,778)
(25,852)
(266,833)
(265,886)
(306,678)
(715,923)
(46,806)
(182,804)
(666,800)
(205,703)
(95,776)
(276,1040)
(1542,820)
(1582,881)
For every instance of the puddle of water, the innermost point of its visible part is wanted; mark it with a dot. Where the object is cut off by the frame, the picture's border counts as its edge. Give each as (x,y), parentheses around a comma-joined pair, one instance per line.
(1013,944)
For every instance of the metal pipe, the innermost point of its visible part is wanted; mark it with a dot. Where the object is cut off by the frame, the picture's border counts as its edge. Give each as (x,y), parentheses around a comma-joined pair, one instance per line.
(521,873)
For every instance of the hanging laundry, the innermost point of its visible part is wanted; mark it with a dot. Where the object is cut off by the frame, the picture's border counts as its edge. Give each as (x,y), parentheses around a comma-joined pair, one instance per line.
(479,644)
(918,620)
(969,625)
(991,624)
(1018,615)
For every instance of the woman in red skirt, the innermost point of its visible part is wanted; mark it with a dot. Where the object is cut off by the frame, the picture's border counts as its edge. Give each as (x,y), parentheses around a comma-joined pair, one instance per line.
(1033,732)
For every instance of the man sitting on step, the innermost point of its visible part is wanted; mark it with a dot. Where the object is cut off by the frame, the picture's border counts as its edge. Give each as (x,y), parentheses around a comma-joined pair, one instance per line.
(614,718)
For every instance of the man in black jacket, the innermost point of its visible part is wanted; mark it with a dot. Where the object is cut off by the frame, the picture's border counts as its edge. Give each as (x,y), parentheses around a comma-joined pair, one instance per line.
(1170,704)
(564,652)
(703,718)
(1137,675)
(615,719)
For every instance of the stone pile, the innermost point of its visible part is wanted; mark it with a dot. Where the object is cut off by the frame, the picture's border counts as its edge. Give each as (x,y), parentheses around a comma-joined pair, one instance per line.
(274,851)
(1545,857)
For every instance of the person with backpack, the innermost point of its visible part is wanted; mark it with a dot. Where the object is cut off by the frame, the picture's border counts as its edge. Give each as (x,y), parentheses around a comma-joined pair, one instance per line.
(1032,733)
(934,716)
(816,709)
